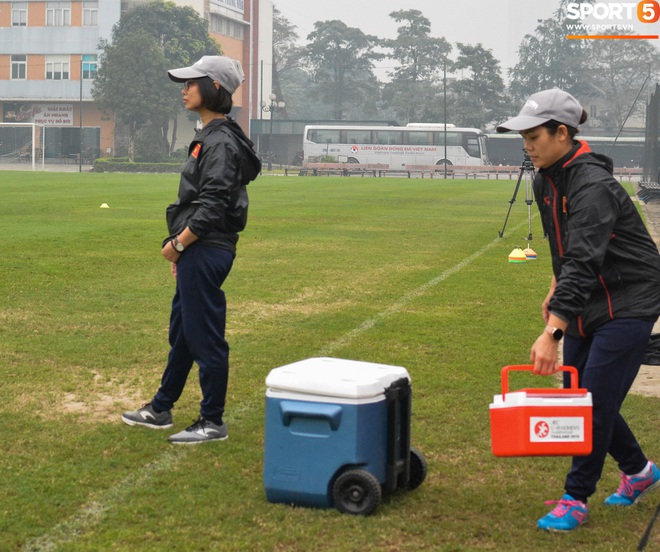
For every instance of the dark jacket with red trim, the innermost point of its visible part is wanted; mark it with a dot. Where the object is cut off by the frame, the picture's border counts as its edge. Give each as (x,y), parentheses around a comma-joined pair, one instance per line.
(603,258)
(213,199)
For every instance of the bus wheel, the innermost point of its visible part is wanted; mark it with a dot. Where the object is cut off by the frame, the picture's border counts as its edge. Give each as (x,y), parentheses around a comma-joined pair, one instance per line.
(443,162)
(352,160)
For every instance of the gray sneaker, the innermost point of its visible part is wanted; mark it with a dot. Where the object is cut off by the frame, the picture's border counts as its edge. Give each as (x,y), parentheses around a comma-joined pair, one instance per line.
(200,431)
(146,416)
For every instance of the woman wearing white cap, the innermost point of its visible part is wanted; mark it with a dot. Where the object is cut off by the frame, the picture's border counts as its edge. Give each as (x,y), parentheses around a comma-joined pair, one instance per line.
(203,229)
(604,296)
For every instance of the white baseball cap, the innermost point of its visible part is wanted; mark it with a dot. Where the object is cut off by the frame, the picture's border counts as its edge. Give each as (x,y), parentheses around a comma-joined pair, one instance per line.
(548,105)
(227,72)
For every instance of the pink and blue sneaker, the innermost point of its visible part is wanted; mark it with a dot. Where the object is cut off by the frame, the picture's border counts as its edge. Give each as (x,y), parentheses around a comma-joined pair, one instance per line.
(569,514)
(632,489)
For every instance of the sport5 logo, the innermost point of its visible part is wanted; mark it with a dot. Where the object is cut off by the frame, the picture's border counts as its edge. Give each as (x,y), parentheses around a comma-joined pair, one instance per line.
(646,11)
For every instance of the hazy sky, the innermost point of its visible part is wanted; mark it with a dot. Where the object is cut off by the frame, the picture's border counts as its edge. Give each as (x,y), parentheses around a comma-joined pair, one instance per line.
(499,25)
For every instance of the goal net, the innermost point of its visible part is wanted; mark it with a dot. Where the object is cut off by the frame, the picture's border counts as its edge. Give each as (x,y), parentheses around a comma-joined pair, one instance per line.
(20,145)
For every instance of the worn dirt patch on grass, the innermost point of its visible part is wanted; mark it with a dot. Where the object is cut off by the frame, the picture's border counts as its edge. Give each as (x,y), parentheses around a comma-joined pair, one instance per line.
(103,401)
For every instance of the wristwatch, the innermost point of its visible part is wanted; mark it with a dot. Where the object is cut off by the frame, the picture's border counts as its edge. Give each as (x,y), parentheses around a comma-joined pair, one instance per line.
(177,245)
(556,333)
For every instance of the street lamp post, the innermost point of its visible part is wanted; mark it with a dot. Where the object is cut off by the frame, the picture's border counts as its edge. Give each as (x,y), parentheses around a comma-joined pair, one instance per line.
(273,107)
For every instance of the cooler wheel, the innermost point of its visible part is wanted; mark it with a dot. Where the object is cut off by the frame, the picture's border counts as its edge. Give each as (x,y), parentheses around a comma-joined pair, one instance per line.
(356,492)
(418,469)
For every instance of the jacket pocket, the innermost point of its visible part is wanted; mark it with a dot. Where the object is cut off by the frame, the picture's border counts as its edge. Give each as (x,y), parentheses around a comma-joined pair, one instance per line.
(178,215)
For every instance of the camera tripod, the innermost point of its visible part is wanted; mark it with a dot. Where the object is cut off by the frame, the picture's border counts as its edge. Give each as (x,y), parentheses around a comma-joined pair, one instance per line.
(527,174)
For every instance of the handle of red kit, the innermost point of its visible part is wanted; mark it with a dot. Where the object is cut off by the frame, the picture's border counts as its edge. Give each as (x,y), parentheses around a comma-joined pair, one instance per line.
(529,368)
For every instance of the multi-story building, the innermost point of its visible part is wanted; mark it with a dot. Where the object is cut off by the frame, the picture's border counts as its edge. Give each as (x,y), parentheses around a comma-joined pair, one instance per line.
(48,60)
(49,57)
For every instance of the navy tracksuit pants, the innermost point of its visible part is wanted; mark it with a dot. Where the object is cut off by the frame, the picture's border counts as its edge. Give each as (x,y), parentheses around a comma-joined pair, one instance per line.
(197,331)
(607,364)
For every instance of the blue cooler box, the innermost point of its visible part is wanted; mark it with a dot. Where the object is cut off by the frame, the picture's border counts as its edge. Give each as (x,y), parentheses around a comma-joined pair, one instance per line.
(325,415)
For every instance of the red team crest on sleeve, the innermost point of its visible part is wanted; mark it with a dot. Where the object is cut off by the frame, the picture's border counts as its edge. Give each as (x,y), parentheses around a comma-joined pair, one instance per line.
(195,152)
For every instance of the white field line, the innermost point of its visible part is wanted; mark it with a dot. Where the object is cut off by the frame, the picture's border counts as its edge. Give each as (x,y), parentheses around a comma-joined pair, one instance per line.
(92,513)
(405,300)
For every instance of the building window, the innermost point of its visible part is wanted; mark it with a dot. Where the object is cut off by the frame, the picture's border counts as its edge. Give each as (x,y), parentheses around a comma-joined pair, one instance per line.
(58,14)
(226,26)
(57,67)
(90,14)
(19,12)
(89,66)
(18,66)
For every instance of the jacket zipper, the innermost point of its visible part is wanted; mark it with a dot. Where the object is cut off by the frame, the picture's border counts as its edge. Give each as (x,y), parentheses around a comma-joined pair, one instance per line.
(560,247)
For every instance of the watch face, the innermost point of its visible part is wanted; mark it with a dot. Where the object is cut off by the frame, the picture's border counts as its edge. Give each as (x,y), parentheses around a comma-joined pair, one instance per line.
(556,333)
(178,246)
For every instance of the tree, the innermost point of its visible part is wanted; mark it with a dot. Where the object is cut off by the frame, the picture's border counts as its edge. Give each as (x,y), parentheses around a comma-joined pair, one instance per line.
(620,69)
(481,92)
(173,37)
(547,59)
(421,59)
(341,60)
(126,84)
(286,52)
(606,73)
(291,81)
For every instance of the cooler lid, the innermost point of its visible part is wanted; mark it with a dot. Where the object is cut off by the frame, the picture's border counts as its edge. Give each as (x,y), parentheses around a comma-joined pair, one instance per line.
(335,377)
(524,398)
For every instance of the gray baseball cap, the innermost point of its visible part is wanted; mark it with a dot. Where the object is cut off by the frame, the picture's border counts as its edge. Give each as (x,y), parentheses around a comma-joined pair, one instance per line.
(548,105)
(226,71)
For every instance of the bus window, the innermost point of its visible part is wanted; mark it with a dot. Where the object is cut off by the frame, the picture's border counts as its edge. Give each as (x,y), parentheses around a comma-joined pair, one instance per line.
(419,138)
(386,137)
(484,149)
(358,137)
(323,136)
(472,146)
(453,138)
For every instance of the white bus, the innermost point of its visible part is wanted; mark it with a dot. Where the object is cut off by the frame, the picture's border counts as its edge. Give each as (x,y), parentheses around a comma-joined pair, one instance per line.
(398,147)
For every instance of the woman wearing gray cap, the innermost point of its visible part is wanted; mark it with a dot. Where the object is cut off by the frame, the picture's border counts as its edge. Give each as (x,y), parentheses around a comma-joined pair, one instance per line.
(203,227)
(604,296)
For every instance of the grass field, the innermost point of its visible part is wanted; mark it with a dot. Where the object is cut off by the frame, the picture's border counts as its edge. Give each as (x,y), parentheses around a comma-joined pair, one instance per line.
(404,272)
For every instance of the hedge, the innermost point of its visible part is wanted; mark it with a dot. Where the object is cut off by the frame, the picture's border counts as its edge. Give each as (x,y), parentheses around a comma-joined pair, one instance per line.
(117,164)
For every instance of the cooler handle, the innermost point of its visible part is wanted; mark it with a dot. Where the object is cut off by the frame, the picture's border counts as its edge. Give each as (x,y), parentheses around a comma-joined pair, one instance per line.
(528,368)
(327,412)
